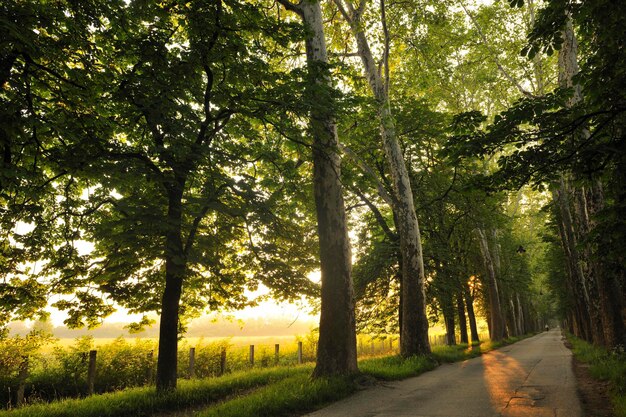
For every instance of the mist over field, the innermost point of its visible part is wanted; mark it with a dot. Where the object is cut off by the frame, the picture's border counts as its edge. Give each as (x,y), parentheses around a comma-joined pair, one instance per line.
(206,326)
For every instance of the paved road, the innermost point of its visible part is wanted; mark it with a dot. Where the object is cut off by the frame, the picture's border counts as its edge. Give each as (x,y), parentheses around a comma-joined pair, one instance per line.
(531,378)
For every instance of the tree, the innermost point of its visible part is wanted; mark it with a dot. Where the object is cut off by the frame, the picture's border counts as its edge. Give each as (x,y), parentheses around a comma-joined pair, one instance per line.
(567,138)
(336,350)
(414,330)
(175,177)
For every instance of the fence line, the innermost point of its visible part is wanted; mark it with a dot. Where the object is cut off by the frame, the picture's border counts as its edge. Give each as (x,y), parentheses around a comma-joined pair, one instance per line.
(225,360)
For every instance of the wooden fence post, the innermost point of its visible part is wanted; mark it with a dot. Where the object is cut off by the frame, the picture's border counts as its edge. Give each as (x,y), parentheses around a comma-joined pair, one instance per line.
(91,371)
(299,352)
(251,355)
(276,353)
(223,361)
(22,381)
(192,362)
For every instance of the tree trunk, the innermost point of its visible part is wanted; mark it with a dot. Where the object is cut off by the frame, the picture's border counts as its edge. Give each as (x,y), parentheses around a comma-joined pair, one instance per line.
(589,267)
(569,243)
(447,307)
(520,316)
(414,331)
(460,308)
(497,321)
(469,303)
(513,330)
(601,285)
(529,325)
(174,274)
(336,350)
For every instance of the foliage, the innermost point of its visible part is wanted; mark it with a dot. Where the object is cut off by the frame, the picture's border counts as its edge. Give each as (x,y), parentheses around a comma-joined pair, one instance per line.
(15,356)
(161,69)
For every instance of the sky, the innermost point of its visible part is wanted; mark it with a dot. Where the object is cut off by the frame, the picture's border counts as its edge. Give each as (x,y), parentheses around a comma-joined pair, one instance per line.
(271,309)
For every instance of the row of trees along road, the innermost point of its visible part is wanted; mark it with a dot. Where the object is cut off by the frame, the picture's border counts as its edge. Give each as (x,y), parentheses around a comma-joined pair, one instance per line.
(202,148)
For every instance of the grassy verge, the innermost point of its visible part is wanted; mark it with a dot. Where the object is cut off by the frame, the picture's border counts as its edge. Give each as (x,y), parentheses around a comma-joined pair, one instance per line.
(395,367)
(146,402)
(299,394)
(606,366)
(294,395)
(280,391)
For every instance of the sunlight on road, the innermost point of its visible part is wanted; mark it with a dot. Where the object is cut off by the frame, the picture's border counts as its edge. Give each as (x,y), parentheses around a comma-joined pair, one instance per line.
(502,376)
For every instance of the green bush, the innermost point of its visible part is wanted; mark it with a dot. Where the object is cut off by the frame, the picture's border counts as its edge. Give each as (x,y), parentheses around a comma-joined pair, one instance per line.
(16,353)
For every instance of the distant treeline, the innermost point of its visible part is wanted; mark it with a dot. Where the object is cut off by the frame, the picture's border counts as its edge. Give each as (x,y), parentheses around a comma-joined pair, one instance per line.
(200,327)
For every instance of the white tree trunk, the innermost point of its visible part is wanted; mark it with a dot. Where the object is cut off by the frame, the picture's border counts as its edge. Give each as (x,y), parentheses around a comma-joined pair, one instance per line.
(414,331)
(496,320)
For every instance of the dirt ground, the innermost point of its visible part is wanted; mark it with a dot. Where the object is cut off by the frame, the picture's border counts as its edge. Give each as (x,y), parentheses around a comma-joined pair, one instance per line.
(594,395)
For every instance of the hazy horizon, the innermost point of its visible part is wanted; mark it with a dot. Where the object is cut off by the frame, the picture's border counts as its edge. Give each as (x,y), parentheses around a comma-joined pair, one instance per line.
(204,326)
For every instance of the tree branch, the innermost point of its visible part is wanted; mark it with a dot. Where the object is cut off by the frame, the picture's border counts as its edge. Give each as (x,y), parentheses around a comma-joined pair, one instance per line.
(51,72)
(343,11)
(194,228)
(494,55)
(382,192)
(377,215)
(293,7)
(385,63)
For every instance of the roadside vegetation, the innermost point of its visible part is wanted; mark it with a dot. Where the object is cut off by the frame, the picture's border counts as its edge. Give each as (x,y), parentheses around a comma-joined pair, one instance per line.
(275,391)
(145,401)
(604,365)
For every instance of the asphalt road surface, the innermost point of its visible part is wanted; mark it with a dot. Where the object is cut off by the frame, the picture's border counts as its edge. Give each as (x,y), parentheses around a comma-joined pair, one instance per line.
(530,378)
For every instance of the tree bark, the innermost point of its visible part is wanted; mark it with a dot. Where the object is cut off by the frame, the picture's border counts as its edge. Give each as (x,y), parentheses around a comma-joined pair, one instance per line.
(414,331)
(460,308)
(513,329)
(336,350)
(601,286)
(520,315)
(174,273)
(469,303)
(447,307)
(496,327)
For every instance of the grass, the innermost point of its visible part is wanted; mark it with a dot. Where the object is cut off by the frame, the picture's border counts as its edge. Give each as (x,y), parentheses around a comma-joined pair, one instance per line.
(294,395)
(146,402)
(396,367)
(606,366)
(279,391)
